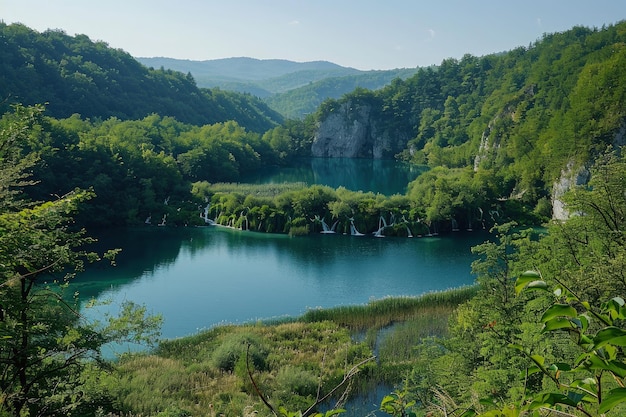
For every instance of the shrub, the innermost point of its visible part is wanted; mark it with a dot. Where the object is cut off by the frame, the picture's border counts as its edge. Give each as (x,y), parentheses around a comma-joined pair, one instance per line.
(234,347)
(293,379)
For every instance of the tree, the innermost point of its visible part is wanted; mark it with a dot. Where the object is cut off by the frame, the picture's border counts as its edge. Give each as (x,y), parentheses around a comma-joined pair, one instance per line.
(44,343)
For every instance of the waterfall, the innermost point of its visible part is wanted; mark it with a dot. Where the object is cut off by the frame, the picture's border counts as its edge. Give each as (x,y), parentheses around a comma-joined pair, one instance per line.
(406,224)
(353,230)
(455,225)
(245,219)
(325,228)
(148,220)
(381,227)
(163,220)
(205,215)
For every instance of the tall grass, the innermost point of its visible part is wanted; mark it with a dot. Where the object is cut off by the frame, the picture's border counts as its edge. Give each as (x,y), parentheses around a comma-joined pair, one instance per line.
(384,312)
(260,190)
(198,375)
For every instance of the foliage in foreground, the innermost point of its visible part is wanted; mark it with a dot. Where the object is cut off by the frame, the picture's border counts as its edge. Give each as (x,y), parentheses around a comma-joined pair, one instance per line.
(44,344)
(560,352)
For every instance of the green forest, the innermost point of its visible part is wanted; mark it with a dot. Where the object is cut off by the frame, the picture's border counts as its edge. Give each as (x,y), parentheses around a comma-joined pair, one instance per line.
(90,138)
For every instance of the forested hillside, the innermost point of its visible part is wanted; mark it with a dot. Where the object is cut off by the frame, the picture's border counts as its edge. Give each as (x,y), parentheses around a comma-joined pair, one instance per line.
(77,75)
(505,126)
(298,102)
(294,89)
(246,74)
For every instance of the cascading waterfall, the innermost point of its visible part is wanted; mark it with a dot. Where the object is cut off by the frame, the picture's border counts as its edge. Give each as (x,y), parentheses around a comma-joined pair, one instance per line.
(325,228)
(382,223)
(353,229)
(205,215)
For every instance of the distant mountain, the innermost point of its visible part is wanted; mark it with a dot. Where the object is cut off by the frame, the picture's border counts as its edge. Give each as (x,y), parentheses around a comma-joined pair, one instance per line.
(306,99)
(291,88)
(77,75)
(243,74)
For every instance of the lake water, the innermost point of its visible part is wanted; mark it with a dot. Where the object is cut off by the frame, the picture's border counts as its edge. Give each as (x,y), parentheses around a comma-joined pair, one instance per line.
(382,176)
(197,278)
(201,277)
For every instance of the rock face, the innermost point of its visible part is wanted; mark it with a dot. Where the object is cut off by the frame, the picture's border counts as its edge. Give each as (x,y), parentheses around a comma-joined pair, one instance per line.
(351,132)
(570,177)
(573,175)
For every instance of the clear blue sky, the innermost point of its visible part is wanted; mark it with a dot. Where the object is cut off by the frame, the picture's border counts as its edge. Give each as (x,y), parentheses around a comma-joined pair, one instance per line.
(364,34)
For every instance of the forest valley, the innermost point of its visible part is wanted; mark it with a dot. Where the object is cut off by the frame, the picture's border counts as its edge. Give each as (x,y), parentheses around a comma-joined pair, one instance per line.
(542,331)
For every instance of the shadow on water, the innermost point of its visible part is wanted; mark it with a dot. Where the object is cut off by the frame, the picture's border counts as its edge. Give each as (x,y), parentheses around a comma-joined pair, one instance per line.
(143,251)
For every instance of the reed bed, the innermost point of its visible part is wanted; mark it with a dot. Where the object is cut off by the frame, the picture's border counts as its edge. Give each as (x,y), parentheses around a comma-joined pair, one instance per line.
(387,311)
(259,190)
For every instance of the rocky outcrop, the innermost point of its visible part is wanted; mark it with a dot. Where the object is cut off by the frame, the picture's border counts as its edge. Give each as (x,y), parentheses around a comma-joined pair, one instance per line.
(570,177)
(351,132)
(574,175)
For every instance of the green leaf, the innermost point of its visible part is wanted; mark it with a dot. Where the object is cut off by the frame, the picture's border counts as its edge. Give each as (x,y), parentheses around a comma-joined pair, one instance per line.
(585,340)
(538,359)
(550,400)
(618,368)
(559,310)
(558,323)
(562,366)
(517,347)
(619,300)
(525,279)
(530,371)
(610,400)
(613,335)
(588,384)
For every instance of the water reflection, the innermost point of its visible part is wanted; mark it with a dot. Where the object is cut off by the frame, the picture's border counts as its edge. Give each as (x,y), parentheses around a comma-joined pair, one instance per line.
(382,176)
(200,277)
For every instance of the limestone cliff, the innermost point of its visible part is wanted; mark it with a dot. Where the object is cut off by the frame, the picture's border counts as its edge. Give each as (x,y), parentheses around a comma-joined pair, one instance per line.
(351,132)
(571,176)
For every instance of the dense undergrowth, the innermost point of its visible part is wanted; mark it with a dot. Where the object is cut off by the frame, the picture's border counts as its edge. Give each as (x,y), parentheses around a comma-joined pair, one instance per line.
(293,362)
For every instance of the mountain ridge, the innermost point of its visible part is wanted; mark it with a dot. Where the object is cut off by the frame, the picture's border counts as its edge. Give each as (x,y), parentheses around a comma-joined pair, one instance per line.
(291,88)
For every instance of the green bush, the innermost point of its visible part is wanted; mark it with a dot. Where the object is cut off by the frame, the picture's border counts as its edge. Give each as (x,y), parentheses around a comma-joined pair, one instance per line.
(234,347)
(293,379)
(174,412)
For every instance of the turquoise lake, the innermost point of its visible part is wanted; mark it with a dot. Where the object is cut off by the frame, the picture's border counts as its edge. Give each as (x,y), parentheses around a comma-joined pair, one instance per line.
(200,277)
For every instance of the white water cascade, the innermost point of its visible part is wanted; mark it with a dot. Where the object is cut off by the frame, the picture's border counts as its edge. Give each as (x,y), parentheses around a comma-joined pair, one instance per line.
(325,228)
(205,215)
(353,229)
(382,223)
(406,224)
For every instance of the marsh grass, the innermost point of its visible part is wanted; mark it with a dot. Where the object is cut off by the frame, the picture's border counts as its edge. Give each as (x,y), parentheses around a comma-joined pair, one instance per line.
(205,374)
(259,190)
(387,311)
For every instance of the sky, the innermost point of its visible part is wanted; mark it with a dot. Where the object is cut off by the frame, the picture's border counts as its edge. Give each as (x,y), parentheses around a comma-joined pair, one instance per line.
(363,34)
